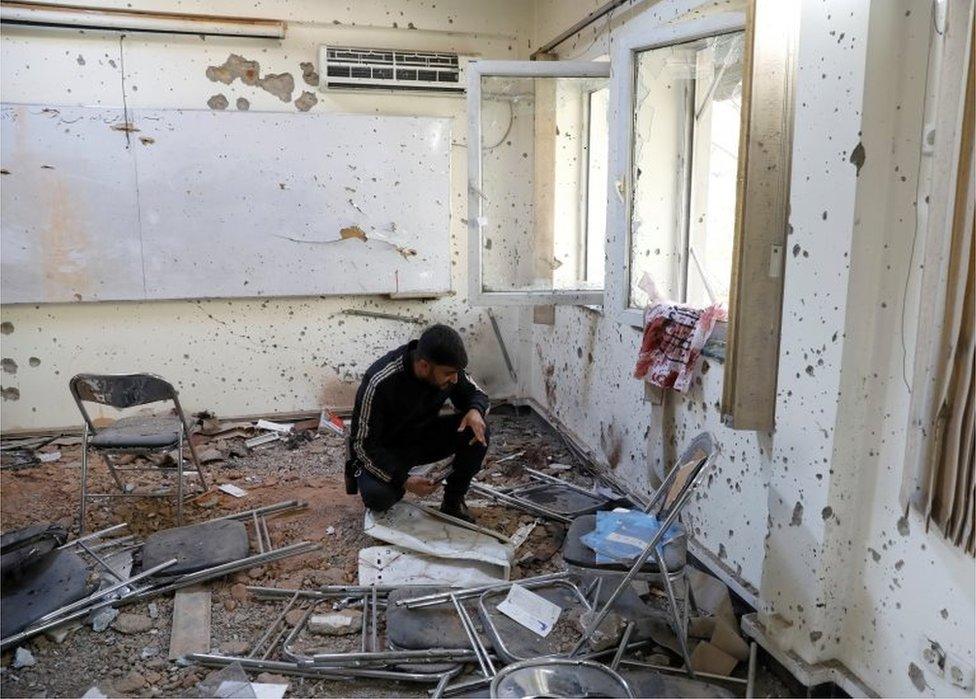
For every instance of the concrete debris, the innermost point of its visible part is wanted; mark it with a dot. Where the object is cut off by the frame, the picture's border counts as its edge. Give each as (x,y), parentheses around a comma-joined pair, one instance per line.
(129,684)
(103,618)
(149,652)
(153,610)
(708,658)
(23,658)
(607,634)
(129,623)
(338,623)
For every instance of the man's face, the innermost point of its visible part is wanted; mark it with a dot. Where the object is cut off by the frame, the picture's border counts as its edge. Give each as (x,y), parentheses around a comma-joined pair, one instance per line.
(439,375)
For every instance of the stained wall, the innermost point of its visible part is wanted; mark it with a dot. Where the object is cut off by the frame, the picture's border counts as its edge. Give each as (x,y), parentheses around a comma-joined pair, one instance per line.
(245,356)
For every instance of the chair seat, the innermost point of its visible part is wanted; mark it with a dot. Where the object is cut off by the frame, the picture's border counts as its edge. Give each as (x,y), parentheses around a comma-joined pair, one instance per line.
(578,554)
(139,432)
(196,546)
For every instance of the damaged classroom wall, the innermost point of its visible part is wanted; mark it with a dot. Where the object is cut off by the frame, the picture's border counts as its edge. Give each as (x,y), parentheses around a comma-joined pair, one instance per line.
(243,356)
(808,515)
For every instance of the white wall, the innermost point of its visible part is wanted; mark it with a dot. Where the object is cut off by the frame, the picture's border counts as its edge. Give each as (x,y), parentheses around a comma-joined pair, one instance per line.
(809,514)
(243,356)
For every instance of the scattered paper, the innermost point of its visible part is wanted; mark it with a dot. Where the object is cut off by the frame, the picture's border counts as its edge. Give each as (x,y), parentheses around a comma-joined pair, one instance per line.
(532,611)
(262,439)
(259,690)
(46,458)
(274,426)
(232,489)
(522,533)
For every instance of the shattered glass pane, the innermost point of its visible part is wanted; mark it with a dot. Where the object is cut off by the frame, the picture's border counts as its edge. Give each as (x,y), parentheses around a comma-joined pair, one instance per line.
(685,159)
(543,166)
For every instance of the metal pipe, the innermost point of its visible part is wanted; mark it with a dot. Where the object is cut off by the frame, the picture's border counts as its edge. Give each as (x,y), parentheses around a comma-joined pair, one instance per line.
(232,567)
(555,481)
(443,597)
(375,645)
(101,561)
(434,512)
(472,639)
(276,508)
(388,656)
(518,503)
(698,675)
(501,344)
(99,594)
(284,668)
(581,24)
(120,541)
(257,531)
(441,683)
(751,675)
(267,535)
(93,535)
(277,620)
(326,592)
(622,648)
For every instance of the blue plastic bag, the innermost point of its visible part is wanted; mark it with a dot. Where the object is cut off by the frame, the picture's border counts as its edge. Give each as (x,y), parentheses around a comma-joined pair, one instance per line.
(622,536)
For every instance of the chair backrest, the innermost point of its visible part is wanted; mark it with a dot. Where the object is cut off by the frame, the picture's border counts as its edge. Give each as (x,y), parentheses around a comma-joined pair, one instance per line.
(120,391)
(689,469)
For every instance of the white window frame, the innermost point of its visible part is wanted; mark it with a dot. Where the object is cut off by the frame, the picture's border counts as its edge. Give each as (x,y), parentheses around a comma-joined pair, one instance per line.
(621,126)
(513,69)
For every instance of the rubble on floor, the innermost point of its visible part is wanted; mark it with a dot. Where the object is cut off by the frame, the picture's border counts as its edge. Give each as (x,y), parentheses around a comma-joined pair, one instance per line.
(309,606)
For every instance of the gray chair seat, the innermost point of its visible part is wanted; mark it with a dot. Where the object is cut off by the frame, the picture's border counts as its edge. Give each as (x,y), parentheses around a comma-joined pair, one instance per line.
(139,432)
(578,554)
(196,546)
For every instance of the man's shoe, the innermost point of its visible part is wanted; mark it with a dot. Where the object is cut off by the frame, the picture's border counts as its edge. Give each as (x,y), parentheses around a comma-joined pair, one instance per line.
(456,508)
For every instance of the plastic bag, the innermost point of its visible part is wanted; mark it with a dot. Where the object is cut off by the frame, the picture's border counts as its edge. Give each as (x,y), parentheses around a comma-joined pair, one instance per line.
(623,535)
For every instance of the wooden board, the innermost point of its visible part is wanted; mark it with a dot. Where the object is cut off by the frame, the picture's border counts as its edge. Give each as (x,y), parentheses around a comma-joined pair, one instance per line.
(191,622)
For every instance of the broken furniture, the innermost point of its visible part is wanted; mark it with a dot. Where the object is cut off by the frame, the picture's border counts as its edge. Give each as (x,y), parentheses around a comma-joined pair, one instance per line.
(37,577)
(552,677)
(185,566)
(667,566)
(545,496)
(137,434)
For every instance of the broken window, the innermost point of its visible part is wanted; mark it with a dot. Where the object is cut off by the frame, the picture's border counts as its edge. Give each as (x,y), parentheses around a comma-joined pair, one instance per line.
(537,169)
(687,110)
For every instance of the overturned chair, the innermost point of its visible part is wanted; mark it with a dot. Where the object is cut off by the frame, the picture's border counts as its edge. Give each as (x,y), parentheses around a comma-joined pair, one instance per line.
(659,564)
(137,434)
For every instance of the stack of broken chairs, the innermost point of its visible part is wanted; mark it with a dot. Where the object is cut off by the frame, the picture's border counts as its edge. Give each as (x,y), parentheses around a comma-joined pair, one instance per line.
(50,582)
(464,639)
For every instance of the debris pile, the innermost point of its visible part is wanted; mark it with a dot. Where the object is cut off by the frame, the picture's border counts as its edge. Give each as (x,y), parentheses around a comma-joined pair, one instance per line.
(310,622)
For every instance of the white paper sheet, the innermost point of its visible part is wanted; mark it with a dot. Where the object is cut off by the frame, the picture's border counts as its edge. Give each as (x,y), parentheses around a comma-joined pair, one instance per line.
(532,611)
(416,530)
(392,565)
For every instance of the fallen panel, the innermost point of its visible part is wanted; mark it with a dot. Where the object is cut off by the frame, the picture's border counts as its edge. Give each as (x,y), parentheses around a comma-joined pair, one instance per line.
(393,565)
(197,546)
(191,622)
(412,528)
(59,579)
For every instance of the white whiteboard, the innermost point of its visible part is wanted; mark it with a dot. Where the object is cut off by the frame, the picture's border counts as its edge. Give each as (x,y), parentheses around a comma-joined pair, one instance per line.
(220,204)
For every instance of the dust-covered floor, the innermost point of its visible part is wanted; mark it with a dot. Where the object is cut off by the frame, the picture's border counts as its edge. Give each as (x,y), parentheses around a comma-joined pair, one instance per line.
(130,657)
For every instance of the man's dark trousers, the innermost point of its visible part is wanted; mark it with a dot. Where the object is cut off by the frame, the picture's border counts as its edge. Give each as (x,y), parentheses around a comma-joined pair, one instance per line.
(439,440)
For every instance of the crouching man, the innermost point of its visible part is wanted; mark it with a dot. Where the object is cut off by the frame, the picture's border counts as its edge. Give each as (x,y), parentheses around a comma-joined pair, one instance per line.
(396,423)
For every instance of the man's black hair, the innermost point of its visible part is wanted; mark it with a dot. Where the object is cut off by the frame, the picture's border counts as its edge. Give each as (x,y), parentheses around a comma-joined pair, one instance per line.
(442,345)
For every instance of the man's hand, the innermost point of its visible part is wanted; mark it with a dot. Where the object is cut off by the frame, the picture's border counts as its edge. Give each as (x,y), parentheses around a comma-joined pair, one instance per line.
(418,485)
(476,422)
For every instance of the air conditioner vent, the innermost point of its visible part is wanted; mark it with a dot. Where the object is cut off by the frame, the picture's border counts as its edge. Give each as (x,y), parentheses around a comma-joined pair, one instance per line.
(349,68)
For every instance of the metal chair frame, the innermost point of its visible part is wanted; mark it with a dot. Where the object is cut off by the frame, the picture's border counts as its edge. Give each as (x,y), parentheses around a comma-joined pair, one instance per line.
(121,391)
(666,504)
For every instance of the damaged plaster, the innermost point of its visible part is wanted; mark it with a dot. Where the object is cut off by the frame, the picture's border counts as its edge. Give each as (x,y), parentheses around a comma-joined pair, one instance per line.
(236,67)
(218,101)
(306,101)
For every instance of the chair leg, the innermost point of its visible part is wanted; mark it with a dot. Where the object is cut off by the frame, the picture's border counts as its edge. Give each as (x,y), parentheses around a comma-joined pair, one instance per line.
(680,629)
(179,483)
(115,474)
(84,481)
(196,462)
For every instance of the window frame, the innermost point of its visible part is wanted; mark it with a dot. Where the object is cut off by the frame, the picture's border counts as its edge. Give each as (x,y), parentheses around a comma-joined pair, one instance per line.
(623,94)
(514,69)
(585,186)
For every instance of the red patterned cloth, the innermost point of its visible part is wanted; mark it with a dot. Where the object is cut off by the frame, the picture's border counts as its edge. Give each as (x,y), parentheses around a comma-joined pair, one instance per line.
(673,339)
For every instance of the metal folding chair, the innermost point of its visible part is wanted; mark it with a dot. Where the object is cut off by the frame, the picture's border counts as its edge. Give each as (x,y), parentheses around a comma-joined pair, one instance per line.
(663,565)
(137,434)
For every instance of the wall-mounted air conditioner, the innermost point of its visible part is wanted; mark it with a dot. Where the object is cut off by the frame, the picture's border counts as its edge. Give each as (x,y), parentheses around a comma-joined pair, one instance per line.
(350,68)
